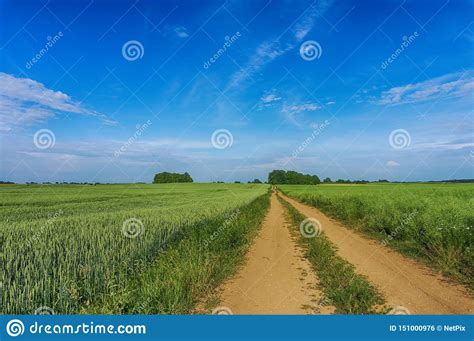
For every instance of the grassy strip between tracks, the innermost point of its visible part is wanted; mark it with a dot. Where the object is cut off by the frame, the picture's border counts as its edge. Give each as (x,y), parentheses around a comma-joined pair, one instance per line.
(346,290)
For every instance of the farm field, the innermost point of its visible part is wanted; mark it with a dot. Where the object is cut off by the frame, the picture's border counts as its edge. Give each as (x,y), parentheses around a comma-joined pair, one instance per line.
(430,222)
(118,248)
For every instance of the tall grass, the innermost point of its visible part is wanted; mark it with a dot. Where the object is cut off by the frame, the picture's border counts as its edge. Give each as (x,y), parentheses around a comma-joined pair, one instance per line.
(431,222)
(63,246)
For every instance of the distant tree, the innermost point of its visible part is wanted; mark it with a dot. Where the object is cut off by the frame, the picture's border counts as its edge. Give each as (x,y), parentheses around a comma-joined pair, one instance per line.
(256,181)
(166,177)
(236,182)
(383,180)
(292,177)
(327,180)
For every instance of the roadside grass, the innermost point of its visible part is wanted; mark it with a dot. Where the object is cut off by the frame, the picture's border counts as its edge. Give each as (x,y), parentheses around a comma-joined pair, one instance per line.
(190,270)
(346,290)
(433,223)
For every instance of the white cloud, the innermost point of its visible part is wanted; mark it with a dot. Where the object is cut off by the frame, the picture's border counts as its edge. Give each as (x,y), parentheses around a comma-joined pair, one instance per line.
(181,32)
(270,97)
(392,163)
(306,23)
(271,49)
(301,107)
(292,112)
(26,101)
(451,85)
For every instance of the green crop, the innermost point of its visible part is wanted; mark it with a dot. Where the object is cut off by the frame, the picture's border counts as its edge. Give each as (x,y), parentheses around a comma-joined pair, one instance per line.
(431,222)
(65,247)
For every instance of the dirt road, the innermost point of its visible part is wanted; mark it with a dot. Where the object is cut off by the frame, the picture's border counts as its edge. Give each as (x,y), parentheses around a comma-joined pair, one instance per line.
(275,278)
(403,281)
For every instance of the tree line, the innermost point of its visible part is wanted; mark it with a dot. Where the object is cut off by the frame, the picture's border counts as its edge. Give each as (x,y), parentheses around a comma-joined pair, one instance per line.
(166,177)
(292,177)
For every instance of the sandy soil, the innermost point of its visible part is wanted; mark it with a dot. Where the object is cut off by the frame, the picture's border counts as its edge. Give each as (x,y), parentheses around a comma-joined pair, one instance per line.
(404,282)
(275,278)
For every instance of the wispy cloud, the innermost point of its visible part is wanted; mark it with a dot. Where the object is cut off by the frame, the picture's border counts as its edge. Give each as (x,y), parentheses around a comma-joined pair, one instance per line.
(181,32)
(270,97)
(271,49)
(451,85)
(292,112)
(24,101)
(392,163)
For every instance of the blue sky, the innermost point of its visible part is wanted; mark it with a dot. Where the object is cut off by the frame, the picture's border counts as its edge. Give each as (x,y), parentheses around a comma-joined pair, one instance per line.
(347,89)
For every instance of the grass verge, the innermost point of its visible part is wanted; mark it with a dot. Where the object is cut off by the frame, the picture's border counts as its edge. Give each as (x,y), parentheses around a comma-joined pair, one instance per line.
(189,267)
(346,290)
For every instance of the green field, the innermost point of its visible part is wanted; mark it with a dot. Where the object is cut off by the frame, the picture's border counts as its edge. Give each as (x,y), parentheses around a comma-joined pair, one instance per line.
(118,248)
(431,222)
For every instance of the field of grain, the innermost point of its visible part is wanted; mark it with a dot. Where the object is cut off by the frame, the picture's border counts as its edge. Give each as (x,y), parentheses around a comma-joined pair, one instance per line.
(431,222)
(73,248)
